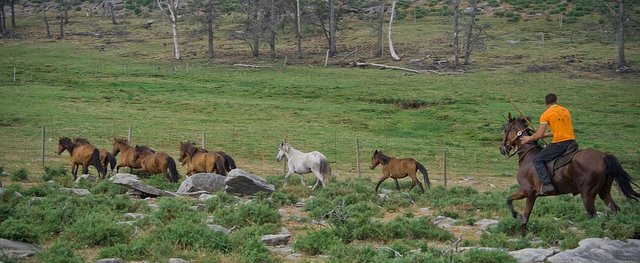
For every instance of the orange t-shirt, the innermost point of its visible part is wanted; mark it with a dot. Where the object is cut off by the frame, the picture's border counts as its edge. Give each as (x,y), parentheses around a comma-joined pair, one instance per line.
(558,119)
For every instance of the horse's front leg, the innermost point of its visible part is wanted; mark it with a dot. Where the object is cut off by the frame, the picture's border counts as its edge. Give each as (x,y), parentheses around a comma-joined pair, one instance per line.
(384,177)
(74,171)
(286,176)
(397,184)
(515,196)
(531,200)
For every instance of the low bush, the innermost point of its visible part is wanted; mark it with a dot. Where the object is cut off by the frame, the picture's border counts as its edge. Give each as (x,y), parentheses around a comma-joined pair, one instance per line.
(480,256)
(107,187)
(19,175)
(60,251)
(418,228)
(161,182)
(17,230)
(98,229)
(317,241)
(253,250)
(220,201)
(255,213)
(171,208)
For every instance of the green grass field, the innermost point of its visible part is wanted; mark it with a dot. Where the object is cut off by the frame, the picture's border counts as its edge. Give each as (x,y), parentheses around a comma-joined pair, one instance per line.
(99,87)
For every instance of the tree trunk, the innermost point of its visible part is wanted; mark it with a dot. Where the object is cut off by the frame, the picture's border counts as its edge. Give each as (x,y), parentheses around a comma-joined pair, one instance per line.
(456,44)
(66,12)
(393,17)
(172,5)
(379,30)
(298,30)
(621,60)
(113,14)
(272,30)
(13,14)
(62,24)
(46,23)
(210,29)
(469,33)
(3,18)
(332,29)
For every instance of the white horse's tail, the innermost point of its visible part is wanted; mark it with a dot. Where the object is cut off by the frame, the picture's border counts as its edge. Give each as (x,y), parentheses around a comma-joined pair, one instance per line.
(325,170)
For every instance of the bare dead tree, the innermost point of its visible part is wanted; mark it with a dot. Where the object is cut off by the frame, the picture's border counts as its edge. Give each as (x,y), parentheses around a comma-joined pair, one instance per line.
(253,26)
(391,20)
(456,24)
(273,24)
(332,29)
(618,19)
(621,14)
(298,29)
(172,6)
(469,33)
(67,5)
(210,11)
(46,22)
(61,16)
(112,4)
(376,14)
(13,14)
(3,17)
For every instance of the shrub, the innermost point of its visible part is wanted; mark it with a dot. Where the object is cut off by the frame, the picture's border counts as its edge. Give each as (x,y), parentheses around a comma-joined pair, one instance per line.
(1,171)
(60,251)
(171,208)
(420,12)
(255,213)
(161,182)
(186,233)
(19,175)
(253,250)
(480,256)
(107,187)
(317,242)
(51,173)
(98,229)
(220,201)
(17,230)
(420,228)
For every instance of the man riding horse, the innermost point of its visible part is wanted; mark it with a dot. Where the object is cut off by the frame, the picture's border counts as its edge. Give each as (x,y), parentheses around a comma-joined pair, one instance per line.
(558,119)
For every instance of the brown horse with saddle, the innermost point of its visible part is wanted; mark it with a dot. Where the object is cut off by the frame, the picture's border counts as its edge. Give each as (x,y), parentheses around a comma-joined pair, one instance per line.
(398,169)
(587,172)
(81,154)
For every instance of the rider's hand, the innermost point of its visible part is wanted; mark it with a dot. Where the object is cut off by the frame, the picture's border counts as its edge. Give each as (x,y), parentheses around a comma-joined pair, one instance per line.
(525,139)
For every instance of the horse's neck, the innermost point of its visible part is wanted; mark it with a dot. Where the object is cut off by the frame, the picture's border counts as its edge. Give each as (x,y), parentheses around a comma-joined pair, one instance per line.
(527,152)
(293,153)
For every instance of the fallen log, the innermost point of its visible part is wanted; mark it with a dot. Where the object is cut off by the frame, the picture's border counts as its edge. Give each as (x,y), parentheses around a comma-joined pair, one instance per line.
(365,64)
(250,66)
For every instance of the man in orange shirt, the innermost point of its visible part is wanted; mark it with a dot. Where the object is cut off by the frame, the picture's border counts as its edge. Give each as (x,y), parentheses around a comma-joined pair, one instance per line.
(558,119)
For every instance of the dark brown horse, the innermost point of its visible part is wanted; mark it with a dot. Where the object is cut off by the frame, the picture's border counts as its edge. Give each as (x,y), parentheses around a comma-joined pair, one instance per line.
(398,169)
(201,161)
(128,157)
(589,173)
(106,158)
(81,154)
(155,163)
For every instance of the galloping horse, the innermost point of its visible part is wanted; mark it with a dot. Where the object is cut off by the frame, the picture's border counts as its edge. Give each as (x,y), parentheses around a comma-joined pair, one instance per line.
(155,163)
(106,157)
(200,160)
(398,169)
(589,173)
(303,163)
(129,155)
(81,154)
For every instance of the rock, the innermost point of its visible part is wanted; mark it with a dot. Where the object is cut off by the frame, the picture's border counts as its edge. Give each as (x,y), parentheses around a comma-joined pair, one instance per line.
(244,183)
(466,249)
(135,215)
(299,205)
(533,255)
(177,260)
(199,207)
(218,228)
(274,240)
(284,231)
(601,250)
(281,249)
(110,260)
(131,181)
(205,197)
(77,191)
(294,256)
(207,182)
(16,194)
(88,177)
(485,224)
(15,249)
(382,197)
(127,223)
(443,221)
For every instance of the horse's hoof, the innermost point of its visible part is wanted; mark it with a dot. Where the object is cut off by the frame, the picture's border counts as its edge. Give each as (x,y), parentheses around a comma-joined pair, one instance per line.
(522,219)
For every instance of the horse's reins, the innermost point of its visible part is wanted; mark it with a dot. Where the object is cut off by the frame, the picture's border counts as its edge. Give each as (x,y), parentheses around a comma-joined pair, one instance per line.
(518,134)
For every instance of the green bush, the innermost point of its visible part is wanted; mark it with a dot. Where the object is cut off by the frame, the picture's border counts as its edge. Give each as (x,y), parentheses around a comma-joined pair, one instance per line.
(171,208)
(60,251)
(253,250)
(98,229)
(317,241)
(220,201)
(418,228)
(19,175)
(107,187)
(161,182)
(255,213)
(17,230)
(420,12)
(53,173)
(184,233)
(480,256)
(1,171)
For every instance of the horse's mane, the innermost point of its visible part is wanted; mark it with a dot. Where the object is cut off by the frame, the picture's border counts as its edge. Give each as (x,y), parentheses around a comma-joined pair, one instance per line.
(383,158)
(67,143)
(81,140)
(122,141)
(144,148)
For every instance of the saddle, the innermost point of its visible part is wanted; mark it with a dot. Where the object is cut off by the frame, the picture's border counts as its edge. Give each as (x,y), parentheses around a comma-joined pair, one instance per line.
(564,159)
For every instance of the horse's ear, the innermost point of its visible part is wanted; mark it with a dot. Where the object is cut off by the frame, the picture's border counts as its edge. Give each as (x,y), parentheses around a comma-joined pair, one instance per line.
(375,152)
(510,117)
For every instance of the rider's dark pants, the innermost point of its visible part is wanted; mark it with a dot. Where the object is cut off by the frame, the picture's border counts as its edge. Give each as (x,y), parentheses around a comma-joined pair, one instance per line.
(552,151)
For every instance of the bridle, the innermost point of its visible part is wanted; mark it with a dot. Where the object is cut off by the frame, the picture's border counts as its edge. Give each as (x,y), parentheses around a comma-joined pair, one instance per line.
(513,140)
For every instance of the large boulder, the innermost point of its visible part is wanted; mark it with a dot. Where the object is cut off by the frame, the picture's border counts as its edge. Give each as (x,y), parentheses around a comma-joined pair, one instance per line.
(533,255)
(15,249)
(601,250)
(133,183)
(244,183)
(207,182)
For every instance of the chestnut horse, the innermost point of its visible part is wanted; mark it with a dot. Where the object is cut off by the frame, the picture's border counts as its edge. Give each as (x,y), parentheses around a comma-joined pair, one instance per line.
(201,161)
(128,157)
(398,169)
(589,173)
(81,154)
(106,158)
(155,163)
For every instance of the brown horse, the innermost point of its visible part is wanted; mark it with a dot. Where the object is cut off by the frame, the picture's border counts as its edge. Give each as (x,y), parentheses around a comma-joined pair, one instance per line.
(106,158)
(81,154)
(199,160)
(589,173)
(155,163)
(128,157)
(398,169)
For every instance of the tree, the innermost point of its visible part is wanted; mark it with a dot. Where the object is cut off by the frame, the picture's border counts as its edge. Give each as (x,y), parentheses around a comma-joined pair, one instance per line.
(3,17)
(332,29)
(378,28)
(273,23)
(172,6)
(112,4)
(62,19)
(204,12)
(298,29)
(469,33)
(253,25)
(456,24)
(13,14)
(391,20)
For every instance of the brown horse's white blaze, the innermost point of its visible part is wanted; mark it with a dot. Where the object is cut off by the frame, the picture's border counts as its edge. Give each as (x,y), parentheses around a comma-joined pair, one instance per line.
(590,173)
(398,169)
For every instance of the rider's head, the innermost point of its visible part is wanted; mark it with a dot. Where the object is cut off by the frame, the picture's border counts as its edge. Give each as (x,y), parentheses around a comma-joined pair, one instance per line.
(550,99)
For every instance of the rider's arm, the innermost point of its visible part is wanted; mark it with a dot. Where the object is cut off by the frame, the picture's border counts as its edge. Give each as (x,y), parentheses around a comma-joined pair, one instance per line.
(541,133)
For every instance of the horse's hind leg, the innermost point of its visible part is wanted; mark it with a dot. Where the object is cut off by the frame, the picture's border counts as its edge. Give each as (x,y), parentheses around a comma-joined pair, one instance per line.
(588,201)
(606,198)
(397,184)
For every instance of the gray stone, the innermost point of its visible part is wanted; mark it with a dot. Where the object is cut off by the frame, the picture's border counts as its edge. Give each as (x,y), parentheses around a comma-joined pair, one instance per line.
(533,255)
(77,191)
(281,249)
(284,231)
(294,256)
(205,197)
(16,194)
(244,183)
(443,221)
(135,215)
(466,249)
(274,240)
(218,228)
(127,223)
(177,260)
(601,250)
(131,181)
(88,177)
(15,249)
(199,207)
(110,260)
(485,224)
(207,182)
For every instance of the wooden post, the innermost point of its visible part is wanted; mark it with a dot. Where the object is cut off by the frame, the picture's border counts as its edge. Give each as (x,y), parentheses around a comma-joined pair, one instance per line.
(542,37)
(285,61)
(188,72)
(560,20)
(358,156)
(129,135)
(326,59)
(445,168)
(14,74)
(43,145)
(204,135)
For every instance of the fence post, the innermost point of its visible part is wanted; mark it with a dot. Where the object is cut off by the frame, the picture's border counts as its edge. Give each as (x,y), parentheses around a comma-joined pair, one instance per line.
(445,168)
(326,59)
(14,74)
(358,156)
(43,145)
(129,135)
(204,135)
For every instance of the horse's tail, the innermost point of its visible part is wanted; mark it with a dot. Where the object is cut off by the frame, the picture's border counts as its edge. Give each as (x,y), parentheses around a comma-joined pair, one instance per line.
(424,172)
(220,165)
(325,170)
(111,160)
(171,165)
(229,162)
(95,160)
(623,179)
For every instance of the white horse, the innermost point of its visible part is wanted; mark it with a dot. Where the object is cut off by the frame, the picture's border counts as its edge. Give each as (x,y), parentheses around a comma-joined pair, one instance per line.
(303,163)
